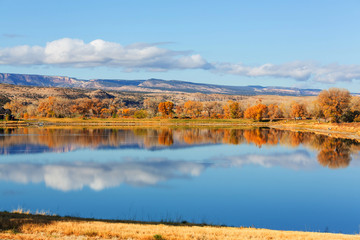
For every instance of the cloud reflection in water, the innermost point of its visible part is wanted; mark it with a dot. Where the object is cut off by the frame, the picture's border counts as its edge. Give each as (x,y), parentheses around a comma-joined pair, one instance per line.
(98,176)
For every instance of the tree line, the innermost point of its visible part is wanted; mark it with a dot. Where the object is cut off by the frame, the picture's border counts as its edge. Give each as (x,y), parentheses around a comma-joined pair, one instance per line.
(334,104)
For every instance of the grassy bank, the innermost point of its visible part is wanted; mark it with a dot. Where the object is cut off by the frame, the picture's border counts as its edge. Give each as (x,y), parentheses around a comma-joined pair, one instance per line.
(28,226)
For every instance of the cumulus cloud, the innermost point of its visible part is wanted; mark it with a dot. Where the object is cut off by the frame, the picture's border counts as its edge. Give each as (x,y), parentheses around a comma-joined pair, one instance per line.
(300,71)
(76,53)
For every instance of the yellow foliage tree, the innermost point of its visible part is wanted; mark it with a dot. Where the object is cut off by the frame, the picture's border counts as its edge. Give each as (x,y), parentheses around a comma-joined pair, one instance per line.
(334,102)
(232,110)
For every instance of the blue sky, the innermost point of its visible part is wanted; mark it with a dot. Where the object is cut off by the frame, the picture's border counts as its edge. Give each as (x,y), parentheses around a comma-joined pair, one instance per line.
(310,44)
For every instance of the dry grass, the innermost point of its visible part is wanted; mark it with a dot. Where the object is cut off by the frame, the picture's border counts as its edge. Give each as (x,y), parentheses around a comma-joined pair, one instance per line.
(20,211)
(27,226)
(341,130)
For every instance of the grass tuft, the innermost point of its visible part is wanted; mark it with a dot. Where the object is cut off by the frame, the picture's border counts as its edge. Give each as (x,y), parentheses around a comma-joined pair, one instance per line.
(158,237)
(20,211)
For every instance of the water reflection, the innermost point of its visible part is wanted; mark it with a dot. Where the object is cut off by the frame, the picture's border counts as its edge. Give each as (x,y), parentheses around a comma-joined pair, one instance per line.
(98,176)
(68,176)
(333,152)
(79,173)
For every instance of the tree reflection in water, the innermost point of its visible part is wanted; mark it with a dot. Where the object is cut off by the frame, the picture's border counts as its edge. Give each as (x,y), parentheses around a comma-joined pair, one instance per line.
(166,137)
(333,152)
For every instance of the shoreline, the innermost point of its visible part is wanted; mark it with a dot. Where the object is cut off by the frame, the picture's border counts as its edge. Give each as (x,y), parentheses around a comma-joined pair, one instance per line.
(28,226)
(338,130)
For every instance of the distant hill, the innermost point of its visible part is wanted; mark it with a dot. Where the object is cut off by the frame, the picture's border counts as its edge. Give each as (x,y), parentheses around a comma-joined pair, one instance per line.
(150,85)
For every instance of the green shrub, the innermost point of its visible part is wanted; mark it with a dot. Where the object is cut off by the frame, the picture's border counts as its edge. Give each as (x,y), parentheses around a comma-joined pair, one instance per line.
(158,237)
(140,114)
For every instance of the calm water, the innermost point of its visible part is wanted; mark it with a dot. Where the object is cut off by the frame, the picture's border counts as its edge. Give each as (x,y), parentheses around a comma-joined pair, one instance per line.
(263,177)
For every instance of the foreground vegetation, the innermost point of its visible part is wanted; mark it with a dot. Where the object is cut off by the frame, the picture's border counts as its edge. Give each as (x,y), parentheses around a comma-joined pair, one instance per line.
(30,227)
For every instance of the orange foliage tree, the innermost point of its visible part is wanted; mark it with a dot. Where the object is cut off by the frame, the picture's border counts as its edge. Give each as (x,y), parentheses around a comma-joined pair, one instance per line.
(257,112)
(298,110)
(334,102)
(46,107)
(166,108)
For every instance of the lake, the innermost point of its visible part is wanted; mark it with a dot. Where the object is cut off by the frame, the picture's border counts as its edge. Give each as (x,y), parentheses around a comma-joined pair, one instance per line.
(263,177)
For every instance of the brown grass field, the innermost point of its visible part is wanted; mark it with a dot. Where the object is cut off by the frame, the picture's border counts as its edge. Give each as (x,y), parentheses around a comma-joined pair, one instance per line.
(30,227)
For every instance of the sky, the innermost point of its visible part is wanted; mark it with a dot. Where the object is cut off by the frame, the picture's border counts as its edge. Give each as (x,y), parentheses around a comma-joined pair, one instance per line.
(306,44)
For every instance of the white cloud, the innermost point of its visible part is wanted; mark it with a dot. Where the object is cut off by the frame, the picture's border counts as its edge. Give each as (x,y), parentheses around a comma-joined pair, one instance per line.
(76,53)
(300,71)
(68,52)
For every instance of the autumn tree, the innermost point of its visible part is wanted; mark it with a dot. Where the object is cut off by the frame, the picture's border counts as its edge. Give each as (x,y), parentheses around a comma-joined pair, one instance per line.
(213,109)
(166,108)
(111,105)
(179,110)
(257,112)
(96,107)
(126,112)
(355,103)
(232,110)
(140,114)
(193,108)
(82,107)
(274,112)
(62,107)
(298,110)
(31,110)
(315,110)
(353,113)
(46,107)
(151,105)
(17,107)
(334,102)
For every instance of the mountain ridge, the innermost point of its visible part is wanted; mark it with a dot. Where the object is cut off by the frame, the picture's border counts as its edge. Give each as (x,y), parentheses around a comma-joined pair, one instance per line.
(149,85)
